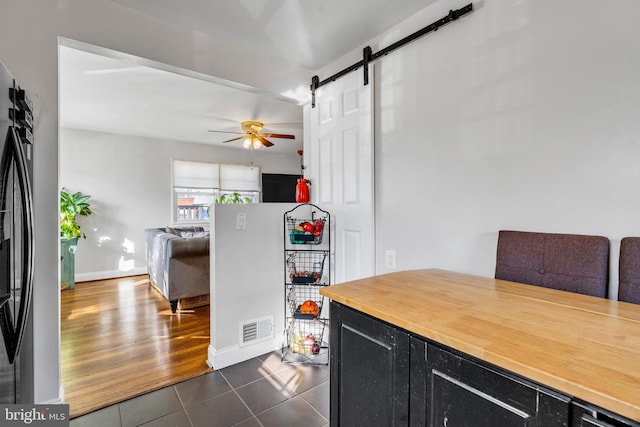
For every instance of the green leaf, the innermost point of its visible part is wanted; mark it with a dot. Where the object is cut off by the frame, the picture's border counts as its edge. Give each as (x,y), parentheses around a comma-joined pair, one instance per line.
(72,205)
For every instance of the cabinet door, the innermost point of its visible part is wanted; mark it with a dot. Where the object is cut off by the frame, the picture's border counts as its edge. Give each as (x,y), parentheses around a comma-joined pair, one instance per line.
(369,370)
(463,392)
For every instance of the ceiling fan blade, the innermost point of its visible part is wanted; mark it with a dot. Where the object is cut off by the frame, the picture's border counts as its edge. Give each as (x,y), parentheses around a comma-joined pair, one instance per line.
(265,142)
(234,139)
(224,131)
(278,135)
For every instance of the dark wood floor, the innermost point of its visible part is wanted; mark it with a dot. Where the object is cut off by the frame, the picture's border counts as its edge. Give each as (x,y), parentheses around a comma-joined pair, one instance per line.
(119,339)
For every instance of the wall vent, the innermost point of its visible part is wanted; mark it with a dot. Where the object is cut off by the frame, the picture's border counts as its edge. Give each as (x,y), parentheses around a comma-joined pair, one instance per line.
(256,330)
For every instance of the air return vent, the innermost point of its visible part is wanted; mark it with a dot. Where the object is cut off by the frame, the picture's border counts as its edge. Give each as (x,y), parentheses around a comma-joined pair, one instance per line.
(252,331)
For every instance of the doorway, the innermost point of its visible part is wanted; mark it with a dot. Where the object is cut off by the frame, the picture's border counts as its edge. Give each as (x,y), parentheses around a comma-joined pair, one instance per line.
(126,168)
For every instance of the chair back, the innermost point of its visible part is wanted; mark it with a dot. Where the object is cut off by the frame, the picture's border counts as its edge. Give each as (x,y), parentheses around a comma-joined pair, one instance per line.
(629,270)
(568,262)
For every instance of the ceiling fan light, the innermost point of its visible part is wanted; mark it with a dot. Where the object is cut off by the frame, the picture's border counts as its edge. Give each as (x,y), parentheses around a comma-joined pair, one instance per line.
(257,144)
(247,143)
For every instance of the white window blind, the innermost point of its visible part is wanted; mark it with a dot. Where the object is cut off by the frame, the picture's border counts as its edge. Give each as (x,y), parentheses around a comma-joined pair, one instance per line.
(195,174)
(239,178)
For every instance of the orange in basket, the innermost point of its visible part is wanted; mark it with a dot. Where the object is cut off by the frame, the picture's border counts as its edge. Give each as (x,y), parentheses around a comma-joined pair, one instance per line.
(309,307)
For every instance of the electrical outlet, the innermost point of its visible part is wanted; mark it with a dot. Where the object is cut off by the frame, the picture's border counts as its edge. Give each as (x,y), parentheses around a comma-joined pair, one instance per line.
(241,221)
(390,259)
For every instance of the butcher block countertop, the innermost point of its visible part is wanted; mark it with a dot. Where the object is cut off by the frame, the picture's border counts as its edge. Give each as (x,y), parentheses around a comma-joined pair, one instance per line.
(584,346)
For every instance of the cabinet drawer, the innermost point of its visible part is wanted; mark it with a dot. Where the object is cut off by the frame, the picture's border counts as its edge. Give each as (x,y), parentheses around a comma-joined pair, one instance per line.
(462,391)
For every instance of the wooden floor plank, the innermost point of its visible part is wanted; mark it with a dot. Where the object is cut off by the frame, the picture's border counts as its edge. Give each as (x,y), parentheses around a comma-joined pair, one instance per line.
(119,339)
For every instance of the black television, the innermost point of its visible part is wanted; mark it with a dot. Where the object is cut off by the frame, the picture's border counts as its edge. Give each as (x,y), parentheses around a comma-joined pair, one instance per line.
(279,187)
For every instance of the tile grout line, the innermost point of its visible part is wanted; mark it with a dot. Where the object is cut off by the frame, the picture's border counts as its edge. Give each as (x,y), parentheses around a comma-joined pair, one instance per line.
(273,373)
(242,400)
(184,408)
(295,393)
(309,403)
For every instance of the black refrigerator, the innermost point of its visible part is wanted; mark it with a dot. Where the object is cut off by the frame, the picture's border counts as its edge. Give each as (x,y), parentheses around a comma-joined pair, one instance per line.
(16,230)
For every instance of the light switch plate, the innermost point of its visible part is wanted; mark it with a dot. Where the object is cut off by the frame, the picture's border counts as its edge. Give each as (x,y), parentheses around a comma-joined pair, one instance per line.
(241,221)
(390,259)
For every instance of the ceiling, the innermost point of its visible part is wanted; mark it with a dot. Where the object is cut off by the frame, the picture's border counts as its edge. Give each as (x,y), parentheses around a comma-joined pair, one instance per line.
(117,94)
(104,94)
(309,33)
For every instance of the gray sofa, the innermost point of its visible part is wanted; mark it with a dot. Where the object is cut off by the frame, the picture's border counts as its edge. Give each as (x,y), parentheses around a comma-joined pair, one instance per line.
(178,262)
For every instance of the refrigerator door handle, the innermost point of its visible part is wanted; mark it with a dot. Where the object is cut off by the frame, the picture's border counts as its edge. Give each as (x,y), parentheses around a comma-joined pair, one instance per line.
(6,322)
(22,175)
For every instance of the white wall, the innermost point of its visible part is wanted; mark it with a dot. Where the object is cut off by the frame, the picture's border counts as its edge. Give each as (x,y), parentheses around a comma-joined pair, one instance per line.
(29,32)
(522,115)
(129,180)
(247,278)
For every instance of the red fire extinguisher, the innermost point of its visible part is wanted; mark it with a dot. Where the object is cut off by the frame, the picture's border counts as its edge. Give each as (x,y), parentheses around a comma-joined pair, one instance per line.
(302,191)
(302,187)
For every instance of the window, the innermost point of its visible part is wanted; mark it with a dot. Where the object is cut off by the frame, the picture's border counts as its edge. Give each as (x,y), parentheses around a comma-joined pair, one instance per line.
(196,185)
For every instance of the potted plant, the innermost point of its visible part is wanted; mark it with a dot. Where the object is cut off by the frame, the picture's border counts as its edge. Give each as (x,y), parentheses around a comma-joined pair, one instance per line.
(72,205)
(229,198)
(233,198)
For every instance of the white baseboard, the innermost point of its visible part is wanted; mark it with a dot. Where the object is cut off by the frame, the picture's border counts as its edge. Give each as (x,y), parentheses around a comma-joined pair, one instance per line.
(109,274)
(222,358)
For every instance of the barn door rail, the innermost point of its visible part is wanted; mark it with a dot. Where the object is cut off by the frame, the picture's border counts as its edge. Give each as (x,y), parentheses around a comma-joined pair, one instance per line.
(368,56)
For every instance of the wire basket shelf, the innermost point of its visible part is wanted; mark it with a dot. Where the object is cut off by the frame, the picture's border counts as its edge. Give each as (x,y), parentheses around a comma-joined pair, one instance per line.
(306,267)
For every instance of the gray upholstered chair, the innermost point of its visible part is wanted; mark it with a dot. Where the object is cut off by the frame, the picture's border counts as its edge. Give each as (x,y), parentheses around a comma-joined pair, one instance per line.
(178,263)
(629,270)
(569,262)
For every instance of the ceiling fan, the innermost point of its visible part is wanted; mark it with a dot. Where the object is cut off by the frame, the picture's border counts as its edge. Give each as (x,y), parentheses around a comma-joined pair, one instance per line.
(253,136)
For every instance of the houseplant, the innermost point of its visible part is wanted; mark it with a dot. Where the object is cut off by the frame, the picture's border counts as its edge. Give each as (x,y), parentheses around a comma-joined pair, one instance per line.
(233,198)
(72,205)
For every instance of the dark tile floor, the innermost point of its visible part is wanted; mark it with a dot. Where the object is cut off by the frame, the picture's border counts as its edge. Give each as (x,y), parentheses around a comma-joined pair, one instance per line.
(259,392)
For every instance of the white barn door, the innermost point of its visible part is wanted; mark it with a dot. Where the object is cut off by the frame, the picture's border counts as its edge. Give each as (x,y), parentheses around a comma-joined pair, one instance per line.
(339,147)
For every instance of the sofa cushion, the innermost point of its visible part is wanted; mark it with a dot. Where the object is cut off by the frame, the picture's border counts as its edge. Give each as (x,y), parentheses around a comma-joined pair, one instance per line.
(192,234)
(183,229)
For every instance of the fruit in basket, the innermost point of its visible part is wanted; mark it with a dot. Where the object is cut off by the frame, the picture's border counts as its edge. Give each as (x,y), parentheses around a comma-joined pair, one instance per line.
(318,226)
(296,344)
(315,348)
(308,343)
(309,307)
(307,226)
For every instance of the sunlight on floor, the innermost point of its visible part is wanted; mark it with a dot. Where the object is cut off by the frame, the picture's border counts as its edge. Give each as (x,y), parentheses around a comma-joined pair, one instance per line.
(84,311)
(182,337)
(276,383)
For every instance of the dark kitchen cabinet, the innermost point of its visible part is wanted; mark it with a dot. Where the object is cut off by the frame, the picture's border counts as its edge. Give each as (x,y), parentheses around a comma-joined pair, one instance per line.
(382,375)
(461,391)
(369,364)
